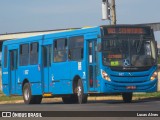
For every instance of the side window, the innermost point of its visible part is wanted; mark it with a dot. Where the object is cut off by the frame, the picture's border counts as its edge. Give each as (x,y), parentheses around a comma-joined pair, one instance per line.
(34,53)
(24,54)
(76,45)
(60,50)
(5,56)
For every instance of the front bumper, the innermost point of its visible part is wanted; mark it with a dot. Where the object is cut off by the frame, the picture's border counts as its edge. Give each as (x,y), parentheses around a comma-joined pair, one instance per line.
(114,87)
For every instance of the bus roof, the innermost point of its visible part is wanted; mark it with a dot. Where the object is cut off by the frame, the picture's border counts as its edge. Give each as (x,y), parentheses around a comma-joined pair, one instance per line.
(68,32)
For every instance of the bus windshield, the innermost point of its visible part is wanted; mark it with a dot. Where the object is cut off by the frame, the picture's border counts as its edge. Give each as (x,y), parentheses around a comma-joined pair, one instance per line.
(128,51)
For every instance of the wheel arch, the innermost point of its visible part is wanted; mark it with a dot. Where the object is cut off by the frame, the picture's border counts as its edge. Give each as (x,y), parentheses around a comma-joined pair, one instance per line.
(24,81)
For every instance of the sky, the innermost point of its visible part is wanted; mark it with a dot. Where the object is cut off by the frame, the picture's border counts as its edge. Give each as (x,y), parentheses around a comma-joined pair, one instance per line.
(35,15)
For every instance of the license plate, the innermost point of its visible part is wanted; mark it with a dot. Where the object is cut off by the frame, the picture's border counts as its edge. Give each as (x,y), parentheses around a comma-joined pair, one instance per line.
(131,87)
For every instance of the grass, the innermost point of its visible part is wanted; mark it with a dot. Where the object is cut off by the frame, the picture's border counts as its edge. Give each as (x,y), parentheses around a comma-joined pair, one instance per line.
(9,98)
(147,95)
(12,98)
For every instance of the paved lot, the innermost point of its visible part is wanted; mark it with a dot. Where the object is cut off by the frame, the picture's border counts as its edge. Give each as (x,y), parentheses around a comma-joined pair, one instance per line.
(107,105)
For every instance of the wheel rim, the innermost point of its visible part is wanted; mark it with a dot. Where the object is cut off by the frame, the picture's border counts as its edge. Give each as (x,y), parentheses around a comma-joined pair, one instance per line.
(79,91)
(26,94)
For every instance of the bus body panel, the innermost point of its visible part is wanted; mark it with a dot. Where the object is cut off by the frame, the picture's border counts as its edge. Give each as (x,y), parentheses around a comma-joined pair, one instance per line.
(61,82)
(57,78)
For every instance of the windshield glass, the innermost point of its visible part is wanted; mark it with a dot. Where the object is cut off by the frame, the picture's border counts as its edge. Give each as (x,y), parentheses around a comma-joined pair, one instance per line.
(128,52)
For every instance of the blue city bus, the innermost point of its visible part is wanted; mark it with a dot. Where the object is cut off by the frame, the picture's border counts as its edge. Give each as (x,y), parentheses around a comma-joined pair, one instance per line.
(73,64)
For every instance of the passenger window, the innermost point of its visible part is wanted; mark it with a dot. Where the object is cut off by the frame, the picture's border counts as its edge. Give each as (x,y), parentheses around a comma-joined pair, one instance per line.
(76,46)
(60,50)
(34,53)
(24,54)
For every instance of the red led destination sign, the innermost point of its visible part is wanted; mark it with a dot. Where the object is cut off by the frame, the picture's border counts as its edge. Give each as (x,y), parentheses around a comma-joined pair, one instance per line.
(125,31)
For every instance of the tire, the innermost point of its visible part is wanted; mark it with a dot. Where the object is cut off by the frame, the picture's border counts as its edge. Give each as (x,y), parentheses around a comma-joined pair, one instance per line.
(78,96)
(127,97)
(81,97)
(28,97)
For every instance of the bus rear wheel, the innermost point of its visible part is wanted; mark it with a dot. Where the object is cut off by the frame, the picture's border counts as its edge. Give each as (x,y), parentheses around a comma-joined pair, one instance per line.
(127,97)
(81,97)
(28,97)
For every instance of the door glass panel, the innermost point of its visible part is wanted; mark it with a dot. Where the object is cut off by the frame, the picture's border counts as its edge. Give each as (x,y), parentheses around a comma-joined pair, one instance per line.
(91,76)
(13,60)
(92,68)
(90,52)
(13,66)
(47,56)
(95,51)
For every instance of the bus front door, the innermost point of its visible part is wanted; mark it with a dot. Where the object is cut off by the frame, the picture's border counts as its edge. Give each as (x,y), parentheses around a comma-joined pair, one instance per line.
(13,54)
(46,57)
(92,67)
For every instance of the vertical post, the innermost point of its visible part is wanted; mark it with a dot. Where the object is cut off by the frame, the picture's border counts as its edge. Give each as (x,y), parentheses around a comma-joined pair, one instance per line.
(113,11)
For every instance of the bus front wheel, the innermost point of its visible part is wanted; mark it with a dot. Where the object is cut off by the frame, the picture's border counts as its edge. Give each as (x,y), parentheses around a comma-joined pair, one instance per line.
(127,97)
(28,97)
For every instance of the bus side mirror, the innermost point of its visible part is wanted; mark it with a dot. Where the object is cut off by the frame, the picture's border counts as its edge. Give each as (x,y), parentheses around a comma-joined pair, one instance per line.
(99,47)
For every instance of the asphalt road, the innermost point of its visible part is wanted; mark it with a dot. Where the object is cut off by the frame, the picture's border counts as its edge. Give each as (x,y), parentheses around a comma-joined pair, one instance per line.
(107,105)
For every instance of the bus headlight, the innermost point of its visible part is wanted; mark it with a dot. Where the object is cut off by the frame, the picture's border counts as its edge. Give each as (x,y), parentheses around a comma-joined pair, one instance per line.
(154,76)
(105,75)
